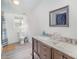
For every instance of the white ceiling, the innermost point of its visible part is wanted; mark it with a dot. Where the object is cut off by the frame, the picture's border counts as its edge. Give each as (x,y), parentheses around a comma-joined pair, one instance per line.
(24,7)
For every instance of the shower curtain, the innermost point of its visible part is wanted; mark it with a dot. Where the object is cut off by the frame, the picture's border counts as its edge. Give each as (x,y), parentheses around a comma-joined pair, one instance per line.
(4,39)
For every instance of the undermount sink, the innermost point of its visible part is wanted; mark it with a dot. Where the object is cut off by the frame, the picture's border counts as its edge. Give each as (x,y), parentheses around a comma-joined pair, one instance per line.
(44,37)
(54,43)
(47,39)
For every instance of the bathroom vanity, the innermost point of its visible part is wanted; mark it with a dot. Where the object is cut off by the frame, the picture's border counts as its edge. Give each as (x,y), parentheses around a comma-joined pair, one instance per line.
(45,48)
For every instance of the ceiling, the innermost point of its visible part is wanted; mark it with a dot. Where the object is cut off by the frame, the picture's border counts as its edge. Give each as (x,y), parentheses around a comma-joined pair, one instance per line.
(24,6)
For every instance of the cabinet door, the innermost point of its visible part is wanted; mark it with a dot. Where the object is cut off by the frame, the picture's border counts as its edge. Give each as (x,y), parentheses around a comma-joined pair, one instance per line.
(57,55)
(35,45)
(45,51)
(39,48)
(67,57)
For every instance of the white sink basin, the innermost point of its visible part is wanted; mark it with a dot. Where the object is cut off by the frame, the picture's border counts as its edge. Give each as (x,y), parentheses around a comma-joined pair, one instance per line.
(55,43)
(44,37)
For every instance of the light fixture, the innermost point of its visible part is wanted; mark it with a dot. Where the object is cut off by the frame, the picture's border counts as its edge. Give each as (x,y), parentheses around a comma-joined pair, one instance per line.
(16,2)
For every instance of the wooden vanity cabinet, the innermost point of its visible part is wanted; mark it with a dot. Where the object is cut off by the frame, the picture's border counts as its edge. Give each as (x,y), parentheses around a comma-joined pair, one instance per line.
(59,55)
(46,52)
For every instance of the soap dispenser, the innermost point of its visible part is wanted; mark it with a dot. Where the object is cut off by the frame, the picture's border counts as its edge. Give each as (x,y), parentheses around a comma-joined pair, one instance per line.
(44,33)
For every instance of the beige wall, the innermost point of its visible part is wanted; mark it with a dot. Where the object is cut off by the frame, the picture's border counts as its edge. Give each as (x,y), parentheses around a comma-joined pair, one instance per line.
(41,14)
(12,28)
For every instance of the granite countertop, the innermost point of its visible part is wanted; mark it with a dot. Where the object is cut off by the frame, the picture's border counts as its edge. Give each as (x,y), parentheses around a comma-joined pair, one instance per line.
(66,48)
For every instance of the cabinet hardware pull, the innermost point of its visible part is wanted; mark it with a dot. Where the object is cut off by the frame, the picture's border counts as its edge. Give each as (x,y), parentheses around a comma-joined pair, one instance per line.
(45,55)
(64,57)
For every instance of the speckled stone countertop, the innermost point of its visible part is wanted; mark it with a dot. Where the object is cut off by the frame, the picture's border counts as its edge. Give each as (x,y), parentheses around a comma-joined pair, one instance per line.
(66,48)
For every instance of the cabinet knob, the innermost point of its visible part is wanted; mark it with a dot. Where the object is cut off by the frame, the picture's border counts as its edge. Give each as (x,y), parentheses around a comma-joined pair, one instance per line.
(45,55)
(64,57)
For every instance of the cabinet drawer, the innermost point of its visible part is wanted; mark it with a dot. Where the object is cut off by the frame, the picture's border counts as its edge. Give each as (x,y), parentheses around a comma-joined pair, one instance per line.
(45,51)
(67,57)
(56,54)
(45,56)
(59,55)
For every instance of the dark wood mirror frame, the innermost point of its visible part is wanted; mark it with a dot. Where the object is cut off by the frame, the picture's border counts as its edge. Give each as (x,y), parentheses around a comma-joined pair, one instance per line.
(60,12)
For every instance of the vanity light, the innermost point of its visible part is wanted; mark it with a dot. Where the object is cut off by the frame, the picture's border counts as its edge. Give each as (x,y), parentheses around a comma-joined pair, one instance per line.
(16,2)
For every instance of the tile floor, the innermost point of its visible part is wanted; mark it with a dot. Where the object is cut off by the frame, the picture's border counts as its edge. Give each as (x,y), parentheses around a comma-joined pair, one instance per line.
(21,52)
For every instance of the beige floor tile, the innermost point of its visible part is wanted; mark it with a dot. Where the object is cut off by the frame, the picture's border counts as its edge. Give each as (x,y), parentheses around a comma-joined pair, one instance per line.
(21,52)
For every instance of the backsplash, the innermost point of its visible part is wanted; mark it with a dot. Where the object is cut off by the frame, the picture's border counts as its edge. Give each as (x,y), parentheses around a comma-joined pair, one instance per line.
(61,38)
(69,40)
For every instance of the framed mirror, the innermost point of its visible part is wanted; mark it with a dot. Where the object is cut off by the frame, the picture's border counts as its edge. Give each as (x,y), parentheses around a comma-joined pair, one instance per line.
(59,17)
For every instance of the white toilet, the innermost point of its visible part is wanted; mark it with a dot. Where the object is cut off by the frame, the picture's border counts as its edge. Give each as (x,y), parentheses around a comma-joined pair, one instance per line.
(22,36)
(21,39)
